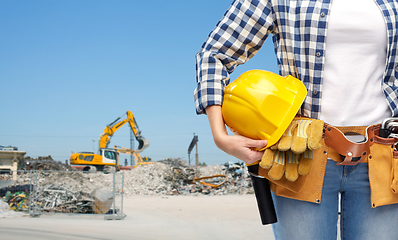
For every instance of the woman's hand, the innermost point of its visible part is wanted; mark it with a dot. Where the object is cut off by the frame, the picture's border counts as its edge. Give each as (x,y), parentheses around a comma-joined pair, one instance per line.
(238,146)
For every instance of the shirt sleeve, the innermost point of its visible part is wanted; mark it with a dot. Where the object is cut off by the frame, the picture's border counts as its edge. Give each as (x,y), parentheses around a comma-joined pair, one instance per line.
(236,38)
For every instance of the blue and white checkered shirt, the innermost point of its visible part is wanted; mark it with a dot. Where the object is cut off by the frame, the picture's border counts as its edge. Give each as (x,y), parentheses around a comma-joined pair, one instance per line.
(298,31)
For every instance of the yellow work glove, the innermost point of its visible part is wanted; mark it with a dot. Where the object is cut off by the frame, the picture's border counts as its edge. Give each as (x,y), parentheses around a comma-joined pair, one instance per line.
(292,155)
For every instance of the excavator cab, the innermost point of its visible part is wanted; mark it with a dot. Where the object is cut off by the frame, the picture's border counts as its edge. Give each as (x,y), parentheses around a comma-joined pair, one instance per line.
(109,156)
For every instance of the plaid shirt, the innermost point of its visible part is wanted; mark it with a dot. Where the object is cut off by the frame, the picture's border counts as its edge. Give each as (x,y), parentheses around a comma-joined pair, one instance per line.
(298,29)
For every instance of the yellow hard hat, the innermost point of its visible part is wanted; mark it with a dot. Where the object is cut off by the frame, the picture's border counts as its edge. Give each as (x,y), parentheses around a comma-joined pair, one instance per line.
(260,104)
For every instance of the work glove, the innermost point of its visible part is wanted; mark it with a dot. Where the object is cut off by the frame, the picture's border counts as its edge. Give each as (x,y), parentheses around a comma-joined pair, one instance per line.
(292,154)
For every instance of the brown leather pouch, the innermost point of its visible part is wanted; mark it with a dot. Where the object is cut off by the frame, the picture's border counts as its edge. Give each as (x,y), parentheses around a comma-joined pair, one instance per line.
(344,151)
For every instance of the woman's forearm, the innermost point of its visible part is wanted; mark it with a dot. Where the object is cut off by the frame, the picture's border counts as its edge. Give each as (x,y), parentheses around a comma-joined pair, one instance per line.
(217,124)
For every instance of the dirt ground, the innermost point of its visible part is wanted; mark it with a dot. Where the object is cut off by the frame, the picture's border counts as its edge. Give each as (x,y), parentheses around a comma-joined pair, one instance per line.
(152,217)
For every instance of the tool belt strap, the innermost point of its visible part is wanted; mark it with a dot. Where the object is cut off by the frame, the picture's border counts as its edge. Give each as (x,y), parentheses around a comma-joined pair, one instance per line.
(351,152)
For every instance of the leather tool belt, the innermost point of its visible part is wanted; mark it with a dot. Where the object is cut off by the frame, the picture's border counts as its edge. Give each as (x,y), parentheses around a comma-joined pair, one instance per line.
(379,153)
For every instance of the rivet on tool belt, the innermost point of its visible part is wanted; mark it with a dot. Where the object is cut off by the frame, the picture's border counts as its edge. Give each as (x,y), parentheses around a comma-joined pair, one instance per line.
(352,153)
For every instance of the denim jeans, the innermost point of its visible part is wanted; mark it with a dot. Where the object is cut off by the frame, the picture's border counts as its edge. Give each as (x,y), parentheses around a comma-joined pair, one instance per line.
(311,221)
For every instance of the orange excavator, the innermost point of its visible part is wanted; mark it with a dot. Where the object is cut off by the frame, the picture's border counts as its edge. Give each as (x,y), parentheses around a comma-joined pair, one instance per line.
(107,159)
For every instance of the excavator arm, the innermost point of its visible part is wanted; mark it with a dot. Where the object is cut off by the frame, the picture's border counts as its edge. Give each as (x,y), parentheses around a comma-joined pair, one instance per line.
(111,128)
(137,157)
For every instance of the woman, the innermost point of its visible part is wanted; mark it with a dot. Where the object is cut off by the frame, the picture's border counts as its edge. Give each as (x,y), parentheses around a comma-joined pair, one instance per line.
(345,52)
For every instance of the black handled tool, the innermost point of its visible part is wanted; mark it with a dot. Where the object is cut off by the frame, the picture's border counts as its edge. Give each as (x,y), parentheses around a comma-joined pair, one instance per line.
(388,126)
(263,196)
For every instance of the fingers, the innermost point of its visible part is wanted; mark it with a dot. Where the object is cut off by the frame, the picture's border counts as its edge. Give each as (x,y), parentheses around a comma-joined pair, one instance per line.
(241,147)
(252,150)
(299,141)
(291,172)
(300,135)
(257,144)
(277,171)
(252,158)
(292,166)
(268,158)
(305,163)
(285,143)
(278,168)
(315,134)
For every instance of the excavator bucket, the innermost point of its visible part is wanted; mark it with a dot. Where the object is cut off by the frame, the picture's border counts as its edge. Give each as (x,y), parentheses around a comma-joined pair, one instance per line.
(142,144)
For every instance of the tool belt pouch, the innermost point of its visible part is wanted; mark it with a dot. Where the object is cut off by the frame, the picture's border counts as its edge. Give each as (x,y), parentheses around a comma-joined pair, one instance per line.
(378,152)
(383,171)
(305,188)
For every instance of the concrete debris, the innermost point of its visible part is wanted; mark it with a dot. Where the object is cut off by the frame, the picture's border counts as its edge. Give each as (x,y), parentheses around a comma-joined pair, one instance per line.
(174,176)
(42,163)
(166,177)
(79,192)
(57,198)
(58,191)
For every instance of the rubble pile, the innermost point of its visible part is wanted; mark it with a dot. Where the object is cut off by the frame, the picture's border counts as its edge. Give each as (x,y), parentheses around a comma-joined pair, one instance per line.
(56,198)
(174,176)
(65,191)
(72,191)
(75,191)
(166,177)
(146,179)
(42,163)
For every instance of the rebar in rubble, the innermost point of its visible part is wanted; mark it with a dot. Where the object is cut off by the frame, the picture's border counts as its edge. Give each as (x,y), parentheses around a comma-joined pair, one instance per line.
(57,198)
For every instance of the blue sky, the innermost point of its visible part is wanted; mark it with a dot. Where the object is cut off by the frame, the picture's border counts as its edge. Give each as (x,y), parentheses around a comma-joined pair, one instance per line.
(70,67)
